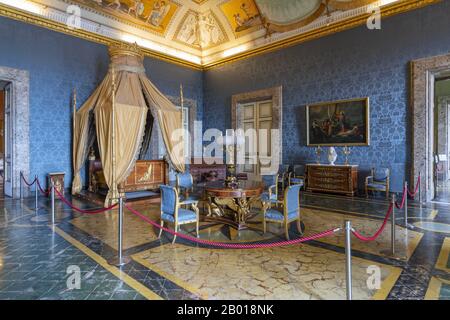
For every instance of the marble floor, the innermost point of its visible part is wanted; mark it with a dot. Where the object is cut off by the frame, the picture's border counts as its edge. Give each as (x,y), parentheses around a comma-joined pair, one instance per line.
(37,260)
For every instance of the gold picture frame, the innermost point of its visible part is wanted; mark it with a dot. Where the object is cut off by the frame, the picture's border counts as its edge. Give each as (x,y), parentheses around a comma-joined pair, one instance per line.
(338,123)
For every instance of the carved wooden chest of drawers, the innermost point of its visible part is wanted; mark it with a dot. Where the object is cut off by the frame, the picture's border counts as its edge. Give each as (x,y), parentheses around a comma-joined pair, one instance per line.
(333,179)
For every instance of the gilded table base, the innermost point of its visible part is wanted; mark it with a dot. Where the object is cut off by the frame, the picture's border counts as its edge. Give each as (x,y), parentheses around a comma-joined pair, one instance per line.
(231,211)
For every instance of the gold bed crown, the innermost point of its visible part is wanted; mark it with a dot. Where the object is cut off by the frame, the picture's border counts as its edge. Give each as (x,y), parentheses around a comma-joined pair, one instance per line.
(120,49)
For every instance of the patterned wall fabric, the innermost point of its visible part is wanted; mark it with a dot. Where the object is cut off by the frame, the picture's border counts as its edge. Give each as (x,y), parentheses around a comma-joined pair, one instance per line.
(354,63)
(57,63)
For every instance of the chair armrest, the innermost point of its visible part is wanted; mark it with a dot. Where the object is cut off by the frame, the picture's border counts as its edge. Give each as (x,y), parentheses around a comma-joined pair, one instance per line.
(369,179)
(272,189)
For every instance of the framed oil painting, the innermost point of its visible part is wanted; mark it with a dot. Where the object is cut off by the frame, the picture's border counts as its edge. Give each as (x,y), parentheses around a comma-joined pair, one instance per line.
(338,123)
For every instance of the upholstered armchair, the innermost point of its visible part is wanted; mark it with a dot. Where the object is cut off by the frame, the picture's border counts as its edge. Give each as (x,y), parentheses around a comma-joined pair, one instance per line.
(270,196)
(289,213)
(378,181)
(185,188)
(171,211)
(297,176)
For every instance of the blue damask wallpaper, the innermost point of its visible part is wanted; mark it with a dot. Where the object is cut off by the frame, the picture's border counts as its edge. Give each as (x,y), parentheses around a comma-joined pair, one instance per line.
(57,63)
(355,63)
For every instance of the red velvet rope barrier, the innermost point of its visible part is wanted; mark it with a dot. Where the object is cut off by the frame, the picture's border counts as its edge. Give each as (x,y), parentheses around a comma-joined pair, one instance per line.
(413,194)
(81,210)
(26,182)
(234,245)
(46,193)
(405,191)
(377,234)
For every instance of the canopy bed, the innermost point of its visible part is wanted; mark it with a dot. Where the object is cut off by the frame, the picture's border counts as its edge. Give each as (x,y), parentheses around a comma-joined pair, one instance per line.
(120,125)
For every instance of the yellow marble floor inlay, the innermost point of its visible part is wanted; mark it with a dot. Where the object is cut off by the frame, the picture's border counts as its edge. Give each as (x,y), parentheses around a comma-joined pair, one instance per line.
(292,272)
(434,288)
(444,256)
(318,220)
(104,227)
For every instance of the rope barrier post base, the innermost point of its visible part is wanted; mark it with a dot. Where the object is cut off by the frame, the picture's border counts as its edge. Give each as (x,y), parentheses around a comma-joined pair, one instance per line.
(120,260)
(348,260)
(36,205)
(53,202)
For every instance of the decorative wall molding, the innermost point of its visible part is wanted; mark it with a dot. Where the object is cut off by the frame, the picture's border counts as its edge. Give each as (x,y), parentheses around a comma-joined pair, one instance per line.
(20,80)
(423,74)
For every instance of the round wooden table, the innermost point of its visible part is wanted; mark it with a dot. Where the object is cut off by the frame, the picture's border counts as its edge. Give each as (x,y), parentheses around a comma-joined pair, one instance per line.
(232,206)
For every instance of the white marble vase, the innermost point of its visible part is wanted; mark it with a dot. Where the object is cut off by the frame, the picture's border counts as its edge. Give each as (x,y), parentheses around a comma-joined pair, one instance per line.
(332,156)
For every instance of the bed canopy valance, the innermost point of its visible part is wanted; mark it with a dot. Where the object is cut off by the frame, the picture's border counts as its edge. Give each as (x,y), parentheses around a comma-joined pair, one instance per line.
(120,138)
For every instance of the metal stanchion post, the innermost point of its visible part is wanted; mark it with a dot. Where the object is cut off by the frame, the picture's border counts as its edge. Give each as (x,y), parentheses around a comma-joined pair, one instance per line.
(393,226)
(53,203)
(420,188)
(36,206)
(120,260)
(348,260)
(405,190)
(20,187)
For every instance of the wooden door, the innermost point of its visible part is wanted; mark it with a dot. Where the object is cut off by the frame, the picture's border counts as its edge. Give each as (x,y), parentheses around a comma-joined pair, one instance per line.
(257,116)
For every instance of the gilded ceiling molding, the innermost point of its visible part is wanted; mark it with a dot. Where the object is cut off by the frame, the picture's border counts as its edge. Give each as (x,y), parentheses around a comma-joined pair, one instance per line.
(387,11)
(348,5)
(26,17)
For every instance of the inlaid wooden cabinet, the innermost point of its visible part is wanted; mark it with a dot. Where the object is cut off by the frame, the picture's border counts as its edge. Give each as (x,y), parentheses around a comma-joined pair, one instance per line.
(332,178)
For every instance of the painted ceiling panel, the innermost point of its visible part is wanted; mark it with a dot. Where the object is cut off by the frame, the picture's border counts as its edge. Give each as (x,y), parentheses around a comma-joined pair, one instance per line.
(152,14)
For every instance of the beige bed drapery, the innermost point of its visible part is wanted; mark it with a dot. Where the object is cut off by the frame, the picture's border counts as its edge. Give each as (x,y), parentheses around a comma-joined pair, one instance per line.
(135,96)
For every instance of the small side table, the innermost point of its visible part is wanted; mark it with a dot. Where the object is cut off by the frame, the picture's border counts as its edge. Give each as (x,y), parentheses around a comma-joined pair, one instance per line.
(57,178)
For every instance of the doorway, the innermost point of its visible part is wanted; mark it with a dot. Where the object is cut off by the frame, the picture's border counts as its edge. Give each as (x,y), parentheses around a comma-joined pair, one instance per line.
(441,139)
(259,110)
(257,116)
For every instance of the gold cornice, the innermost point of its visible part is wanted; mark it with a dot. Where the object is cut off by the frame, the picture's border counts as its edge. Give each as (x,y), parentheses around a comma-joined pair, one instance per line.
(393,9)
(30,18)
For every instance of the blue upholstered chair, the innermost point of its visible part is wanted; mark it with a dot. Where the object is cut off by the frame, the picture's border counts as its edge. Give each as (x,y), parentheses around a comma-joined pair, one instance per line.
(270,196)
(378,181)
(171,211)
(185,188)
(297,176)
(290,212)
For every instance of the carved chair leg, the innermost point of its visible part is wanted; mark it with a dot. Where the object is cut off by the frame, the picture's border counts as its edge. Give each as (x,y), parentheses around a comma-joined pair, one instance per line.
(286,230)
(174,236)
(161,230)
(264,226)
(299,227)
(197,228)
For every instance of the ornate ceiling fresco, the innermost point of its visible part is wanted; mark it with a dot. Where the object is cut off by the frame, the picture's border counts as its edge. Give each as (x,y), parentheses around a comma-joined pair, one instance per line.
(204,33)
